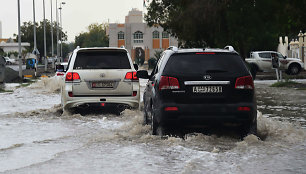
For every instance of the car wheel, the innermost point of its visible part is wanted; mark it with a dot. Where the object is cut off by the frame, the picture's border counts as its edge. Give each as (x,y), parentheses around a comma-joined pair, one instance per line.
(253,70)
(153,122)
(294,69)
(249,129)
(157,127)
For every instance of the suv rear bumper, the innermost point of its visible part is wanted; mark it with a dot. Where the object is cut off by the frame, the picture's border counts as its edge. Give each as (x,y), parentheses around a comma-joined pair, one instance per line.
(207,114)
(74,102)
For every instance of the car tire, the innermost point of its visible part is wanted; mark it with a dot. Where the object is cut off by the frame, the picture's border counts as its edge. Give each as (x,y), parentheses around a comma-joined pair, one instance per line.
(253,69)
(294,69)
(157,127)
(249,129)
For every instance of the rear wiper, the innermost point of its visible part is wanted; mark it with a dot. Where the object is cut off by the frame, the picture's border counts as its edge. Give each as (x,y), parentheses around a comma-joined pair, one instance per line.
(215,71)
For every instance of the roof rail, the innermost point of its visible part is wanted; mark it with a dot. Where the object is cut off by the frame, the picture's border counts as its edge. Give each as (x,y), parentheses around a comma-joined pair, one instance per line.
(229,48)
(173,48)
(78,47)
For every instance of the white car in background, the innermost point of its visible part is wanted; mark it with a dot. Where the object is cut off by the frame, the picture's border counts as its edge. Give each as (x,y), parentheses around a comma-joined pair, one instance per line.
(262,61)
(9,61)
(100,78)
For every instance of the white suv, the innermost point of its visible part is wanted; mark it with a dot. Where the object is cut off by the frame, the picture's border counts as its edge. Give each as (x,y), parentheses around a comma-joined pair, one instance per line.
(100,78)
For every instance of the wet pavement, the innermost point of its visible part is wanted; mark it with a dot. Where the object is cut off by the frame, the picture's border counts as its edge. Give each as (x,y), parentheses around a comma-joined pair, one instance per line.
(47,141)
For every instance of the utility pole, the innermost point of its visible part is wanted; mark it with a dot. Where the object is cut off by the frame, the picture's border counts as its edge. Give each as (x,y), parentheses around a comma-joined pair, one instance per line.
(61,35)
(61,26)
(45,44)
(35,51)
(19,42)
(52,47)
(57,32)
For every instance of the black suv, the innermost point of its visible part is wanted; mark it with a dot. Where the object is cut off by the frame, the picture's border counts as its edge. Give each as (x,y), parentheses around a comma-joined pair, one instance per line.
(199,87)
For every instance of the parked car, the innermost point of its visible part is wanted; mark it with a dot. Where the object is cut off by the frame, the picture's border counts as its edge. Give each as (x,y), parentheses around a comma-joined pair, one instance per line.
(60,68)
(262,61)
(199,87)
(9,61)
(100,78)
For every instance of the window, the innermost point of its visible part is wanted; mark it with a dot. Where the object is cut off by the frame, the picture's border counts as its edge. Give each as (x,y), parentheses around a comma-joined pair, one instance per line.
(138,37)
(121,35)
(165,35)
(155,35)
(191,63)
(95,59)
(265,55)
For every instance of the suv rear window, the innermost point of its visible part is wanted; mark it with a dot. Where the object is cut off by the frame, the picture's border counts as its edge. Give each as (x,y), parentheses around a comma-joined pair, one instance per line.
(101,59)
(192,63)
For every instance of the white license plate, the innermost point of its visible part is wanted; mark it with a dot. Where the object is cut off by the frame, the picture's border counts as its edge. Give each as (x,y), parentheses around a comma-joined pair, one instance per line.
(207,89)
(102,84)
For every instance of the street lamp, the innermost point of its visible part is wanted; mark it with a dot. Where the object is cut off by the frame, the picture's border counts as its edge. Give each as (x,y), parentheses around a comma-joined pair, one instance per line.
(19,42)
(52,46)
(35,51)
(45,44)
(61,35)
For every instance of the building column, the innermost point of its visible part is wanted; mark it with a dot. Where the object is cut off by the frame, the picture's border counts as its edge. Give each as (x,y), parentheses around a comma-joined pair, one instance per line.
(301,44)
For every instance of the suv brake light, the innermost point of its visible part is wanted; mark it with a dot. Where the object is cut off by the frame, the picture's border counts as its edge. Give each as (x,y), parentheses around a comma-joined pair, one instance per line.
(131,76)
(245,82)
(168,83)
(72,76)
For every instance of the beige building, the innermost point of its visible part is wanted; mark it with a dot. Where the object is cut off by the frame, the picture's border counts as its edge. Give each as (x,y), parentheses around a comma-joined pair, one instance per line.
(138,38)
(297,47)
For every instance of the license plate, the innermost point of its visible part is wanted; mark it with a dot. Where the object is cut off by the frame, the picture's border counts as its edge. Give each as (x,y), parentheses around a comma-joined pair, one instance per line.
(102,84)
(207,89)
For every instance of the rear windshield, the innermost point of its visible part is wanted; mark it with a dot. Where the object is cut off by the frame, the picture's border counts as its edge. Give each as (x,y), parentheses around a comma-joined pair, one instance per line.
(94,59)
(192,63)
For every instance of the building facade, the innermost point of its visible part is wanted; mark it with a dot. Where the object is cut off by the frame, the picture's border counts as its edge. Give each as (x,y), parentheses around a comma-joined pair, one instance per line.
(0,30)
(138,38)
(296,48)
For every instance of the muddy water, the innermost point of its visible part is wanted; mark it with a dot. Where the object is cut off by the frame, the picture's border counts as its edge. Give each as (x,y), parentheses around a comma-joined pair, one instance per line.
(285,104)
(47,141)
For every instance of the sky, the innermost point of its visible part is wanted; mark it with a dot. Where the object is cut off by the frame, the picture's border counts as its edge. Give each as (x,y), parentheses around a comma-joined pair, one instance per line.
(77,15)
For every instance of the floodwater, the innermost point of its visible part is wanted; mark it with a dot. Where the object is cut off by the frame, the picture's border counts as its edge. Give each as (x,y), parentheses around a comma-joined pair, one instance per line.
(47,141)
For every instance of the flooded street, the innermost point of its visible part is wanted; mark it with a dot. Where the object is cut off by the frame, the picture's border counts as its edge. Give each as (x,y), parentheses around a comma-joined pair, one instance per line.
(43,140)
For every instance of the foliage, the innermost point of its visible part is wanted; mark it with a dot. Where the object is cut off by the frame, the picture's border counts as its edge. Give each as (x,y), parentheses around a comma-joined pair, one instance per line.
(2,52)
(152,62)
(289,84)
(247,25)
(27,35)
(15,53)
(95,37)
(157,54)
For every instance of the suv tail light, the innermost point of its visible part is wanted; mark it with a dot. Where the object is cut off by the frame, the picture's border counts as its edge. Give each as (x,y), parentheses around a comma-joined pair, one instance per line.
(131,76)
(245,82)
(72,76)
(168,83)
(60,74)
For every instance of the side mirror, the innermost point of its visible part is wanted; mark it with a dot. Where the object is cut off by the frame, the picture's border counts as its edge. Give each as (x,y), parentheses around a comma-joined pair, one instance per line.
(136,67)
(143,74)
(285,57)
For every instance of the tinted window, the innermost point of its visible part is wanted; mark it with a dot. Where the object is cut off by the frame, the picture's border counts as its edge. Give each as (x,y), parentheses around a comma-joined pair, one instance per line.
(265,55)
(192,63)
(93,59)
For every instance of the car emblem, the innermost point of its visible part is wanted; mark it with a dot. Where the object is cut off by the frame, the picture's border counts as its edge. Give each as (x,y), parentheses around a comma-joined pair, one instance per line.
(207,77)
(102,75)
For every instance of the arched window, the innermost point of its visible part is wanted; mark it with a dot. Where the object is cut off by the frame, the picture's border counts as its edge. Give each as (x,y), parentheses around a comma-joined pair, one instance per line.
(138,37)
(165,34)
(121,35)
(155,34)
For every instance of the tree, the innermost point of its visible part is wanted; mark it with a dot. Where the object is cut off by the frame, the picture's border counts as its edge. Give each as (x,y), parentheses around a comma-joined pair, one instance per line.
(27,35)
(1,52)
(245,24)
(95,37)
